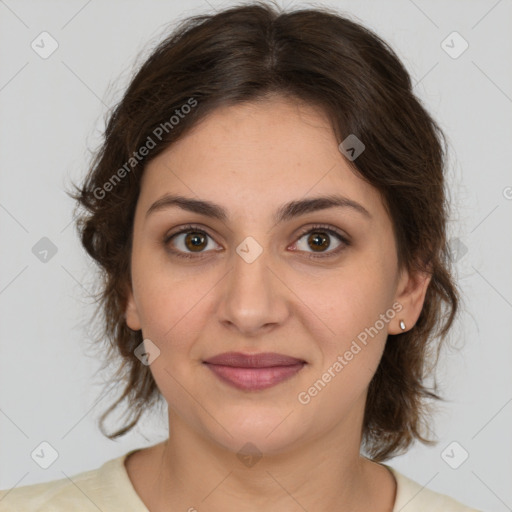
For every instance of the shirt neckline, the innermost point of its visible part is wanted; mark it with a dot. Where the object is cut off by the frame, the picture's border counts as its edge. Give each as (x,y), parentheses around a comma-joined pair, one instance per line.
(134,502)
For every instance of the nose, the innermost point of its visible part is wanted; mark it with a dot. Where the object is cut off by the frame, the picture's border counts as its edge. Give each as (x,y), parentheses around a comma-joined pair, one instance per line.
(253,299)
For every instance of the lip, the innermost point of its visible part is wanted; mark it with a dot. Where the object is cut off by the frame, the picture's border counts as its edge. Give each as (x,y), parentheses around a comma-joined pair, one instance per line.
(261,360)
(254,372)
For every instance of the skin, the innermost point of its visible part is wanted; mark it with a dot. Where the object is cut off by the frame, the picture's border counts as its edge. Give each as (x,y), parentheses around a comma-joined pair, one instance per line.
(251,159)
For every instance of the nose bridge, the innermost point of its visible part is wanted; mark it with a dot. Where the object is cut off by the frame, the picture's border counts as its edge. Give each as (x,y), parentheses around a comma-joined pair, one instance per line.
(253,296)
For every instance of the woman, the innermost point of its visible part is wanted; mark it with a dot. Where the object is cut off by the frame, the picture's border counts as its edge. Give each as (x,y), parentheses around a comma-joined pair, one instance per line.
(268,209)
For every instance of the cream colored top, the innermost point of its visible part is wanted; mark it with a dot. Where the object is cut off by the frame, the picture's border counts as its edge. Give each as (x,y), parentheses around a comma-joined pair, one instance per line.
(109,489)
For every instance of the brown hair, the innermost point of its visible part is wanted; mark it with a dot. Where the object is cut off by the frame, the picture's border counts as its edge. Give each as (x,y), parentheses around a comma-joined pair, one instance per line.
(245,53)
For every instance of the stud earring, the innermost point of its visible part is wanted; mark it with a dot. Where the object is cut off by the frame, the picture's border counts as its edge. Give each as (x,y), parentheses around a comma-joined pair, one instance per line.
(402,325)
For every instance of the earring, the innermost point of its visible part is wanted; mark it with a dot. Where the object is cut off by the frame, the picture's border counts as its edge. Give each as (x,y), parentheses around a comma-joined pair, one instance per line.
(402,325)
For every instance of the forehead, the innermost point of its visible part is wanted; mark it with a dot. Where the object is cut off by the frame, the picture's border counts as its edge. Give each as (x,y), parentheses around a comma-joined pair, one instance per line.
(257,154)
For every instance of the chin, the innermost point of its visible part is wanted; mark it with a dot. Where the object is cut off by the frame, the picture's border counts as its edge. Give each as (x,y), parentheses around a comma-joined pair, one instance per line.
(263,433)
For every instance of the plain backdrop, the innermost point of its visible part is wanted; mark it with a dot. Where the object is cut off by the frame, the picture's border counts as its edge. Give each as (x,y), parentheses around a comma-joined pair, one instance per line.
(52,115)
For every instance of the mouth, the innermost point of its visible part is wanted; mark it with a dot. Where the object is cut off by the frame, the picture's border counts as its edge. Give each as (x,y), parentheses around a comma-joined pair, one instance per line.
(254,372)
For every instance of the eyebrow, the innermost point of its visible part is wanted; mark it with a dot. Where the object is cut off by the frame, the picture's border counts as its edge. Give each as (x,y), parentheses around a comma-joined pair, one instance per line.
(284,213)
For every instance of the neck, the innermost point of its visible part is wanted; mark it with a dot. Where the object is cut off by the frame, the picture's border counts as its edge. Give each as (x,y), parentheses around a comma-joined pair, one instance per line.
(326,473)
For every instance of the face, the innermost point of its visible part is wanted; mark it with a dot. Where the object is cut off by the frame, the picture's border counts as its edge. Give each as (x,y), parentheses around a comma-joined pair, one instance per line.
(315,282)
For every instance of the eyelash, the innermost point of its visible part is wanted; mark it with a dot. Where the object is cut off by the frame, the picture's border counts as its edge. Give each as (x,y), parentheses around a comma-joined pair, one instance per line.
(318,227)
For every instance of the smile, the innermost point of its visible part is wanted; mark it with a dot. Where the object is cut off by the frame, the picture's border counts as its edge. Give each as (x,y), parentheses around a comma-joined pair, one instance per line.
(254,379)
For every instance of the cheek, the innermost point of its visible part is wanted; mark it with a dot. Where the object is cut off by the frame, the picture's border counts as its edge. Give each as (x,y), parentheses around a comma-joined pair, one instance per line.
(349,300)
(170,302)
(352,313)
(166,313)
(172,313)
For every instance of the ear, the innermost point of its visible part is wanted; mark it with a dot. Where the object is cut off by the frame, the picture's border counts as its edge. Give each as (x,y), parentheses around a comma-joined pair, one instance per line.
(131,312)
(411,290)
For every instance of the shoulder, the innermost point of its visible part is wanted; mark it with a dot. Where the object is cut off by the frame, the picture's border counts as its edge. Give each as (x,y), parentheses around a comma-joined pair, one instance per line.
(413,497)
(105,488)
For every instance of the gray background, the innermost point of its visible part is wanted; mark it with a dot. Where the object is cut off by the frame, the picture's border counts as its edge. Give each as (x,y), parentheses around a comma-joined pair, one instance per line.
(52,113)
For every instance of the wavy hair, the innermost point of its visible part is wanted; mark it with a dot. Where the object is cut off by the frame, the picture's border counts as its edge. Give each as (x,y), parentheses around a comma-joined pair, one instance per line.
(245,53)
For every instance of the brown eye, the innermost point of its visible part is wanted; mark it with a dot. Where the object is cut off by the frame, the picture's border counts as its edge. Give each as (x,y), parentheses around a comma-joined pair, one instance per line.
(188,242)
(195,241)
(318,241)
